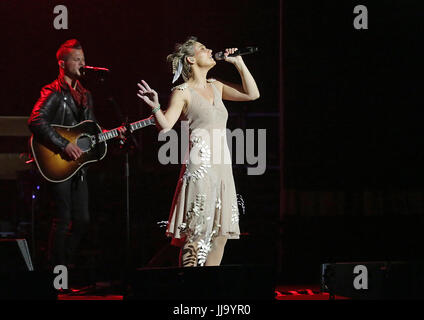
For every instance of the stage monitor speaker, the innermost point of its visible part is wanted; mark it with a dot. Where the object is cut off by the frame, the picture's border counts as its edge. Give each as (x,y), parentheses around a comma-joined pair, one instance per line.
(374,280)
(27,285)
(232,282)
(15,256)
(18,280)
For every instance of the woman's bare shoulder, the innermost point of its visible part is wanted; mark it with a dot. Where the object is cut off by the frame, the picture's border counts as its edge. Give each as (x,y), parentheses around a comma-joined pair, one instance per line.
(181,87)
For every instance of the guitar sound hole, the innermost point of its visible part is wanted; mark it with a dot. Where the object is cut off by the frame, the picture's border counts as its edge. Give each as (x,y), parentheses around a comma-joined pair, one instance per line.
(84,143)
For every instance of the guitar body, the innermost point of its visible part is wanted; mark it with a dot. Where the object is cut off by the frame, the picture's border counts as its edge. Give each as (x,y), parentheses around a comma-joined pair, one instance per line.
(53,166)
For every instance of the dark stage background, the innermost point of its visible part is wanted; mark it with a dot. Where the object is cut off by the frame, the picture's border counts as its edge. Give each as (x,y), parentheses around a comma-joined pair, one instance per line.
(353,153)
(350,139)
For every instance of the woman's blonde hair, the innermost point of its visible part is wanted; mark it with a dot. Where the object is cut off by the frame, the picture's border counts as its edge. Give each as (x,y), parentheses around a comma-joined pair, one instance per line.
(182,50)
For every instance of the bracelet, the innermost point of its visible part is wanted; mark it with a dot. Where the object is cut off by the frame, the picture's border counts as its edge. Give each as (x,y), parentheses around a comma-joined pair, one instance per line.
(156,109)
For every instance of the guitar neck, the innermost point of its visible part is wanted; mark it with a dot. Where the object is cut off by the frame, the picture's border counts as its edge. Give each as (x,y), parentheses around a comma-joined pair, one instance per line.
(110,134)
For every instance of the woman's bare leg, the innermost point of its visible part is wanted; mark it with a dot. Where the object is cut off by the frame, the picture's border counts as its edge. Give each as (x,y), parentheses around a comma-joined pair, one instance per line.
(217,252)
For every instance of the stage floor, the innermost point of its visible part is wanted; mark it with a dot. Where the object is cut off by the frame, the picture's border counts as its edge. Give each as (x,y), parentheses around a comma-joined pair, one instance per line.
(103,291)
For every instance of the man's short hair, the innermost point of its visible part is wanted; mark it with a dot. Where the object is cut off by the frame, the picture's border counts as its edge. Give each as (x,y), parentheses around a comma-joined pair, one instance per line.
(65,48)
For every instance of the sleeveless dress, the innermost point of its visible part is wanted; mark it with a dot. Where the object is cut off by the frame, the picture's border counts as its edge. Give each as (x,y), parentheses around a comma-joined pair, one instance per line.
(205,201)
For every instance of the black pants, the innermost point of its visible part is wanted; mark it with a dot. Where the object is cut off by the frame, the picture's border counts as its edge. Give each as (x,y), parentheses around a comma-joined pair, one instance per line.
(71,213)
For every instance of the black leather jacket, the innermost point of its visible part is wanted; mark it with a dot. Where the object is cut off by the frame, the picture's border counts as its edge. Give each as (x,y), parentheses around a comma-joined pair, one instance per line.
(56,106)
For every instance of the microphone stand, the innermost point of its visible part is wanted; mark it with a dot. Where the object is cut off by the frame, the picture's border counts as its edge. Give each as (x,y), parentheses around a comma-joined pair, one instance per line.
(129,144)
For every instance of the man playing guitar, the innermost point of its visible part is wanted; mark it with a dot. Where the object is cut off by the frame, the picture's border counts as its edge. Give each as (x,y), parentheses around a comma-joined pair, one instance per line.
(65,102)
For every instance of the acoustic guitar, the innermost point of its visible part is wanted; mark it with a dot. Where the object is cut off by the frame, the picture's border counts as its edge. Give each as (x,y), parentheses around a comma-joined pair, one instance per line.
(88,136)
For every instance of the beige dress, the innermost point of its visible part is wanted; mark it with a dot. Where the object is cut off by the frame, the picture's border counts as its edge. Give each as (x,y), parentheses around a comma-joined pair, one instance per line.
(205,201)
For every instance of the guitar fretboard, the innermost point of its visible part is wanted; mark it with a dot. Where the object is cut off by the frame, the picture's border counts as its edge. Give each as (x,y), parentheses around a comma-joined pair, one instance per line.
(110,134)
(142,123)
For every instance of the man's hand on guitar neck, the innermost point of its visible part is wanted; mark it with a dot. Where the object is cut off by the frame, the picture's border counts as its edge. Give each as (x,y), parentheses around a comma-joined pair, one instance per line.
(121,130)
(72,151)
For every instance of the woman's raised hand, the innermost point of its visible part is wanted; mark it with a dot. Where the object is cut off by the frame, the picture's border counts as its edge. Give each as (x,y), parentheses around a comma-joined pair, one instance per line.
(148,95)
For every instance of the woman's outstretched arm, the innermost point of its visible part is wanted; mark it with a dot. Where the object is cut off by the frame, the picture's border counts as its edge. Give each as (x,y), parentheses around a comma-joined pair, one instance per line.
(164,120)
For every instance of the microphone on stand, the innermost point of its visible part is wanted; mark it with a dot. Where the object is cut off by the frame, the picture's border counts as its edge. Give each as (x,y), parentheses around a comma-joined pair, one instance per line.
(85,69)
(240,52)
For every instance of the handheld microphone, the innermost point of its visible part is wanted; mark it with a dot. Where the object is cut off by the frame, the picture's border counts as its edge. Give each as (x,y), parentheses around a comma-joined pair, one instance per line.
(84,69)
(240,52)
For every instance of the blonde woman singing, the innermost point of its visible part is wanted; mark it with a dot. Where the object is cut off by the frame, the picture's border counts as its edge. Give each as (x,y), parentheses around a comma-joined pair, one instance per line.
(204,211)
